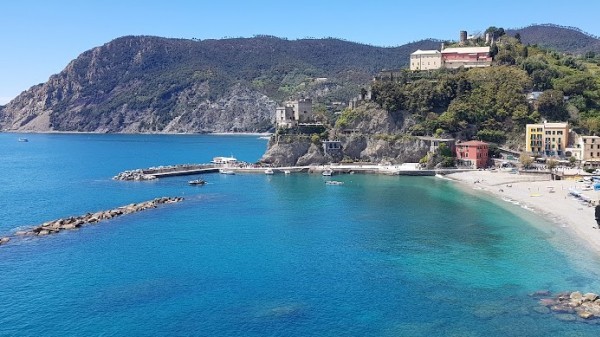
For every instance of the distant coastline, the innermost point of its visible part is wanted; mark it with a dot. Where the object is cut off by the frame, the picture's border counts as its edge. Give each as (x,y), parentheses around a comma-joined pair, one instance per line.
(141,133)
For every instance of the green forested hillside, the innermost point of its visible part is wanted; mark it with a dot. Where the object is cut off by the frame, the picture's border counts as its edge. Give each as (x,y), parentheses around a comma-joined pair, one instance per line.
(276,67)
(559,38)
(492,103)
(154,84)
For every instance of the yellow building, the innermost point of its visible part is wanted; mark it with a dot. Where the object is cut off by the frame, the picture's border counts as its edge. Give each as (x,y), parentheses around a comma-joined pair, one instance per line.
(547,139)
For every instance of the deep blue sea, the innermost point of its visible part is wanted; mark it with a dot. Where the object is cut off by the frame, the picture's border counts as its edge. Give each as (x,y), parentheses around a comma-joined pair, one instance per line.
(257,255)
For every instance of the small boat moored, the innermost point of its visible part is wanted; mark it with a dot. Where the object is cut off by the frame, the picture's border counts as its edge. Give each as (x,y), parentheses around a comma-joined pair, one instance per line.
(287,172)
(224,160)
(226,171)
(23,140)
(334,182)
(327,172)
(269,171)
(197,182)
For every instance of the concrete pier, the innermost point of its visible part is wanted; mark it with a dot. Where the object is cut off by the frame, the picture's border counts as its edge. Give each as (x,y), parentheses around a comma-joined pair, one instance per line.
(191,169)
(166,171)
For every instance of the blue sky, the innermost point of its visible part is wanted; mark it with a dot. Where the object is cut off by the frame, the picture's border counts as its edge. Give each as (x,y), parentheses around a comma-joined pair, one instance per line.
(39,38)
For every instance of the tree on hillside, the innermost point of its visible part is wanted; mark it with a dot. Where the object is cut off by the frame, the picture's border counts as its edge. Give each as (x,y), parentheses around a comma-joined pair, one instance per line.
(575,84)
(542,79)
(526,160)
(551,105)
(497,93)
(495,32)
(551,164)
(518,37)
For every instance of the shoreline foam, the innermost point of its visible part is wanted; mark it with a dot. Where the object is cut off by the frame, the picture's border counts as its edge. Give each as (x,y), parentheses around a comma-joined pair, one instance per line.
(569,215)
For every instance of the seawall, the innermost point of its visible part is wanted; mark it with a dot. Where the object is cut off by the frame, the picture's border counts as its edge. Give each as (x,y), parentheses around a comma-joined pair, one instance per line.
(70,223)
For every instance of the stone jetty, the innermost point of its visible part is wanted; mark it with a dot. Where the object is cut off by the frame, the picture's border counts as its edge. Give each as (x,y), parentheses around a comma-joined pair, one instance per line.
(166,171)
(56,226)
(135,175)
(570,306)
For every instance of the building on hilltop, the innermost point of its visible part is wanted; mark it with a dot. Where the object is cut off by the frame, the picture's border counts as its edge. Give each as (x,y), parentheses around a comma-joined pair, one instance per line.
(473,154)
(547,139)
(425,60)
(467,57)
(294,113)
(452,58)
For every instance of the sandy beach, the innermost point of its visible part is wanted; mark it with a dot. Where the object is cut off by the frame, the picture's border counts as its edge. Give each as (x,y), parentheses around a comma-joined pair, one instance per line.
(547,198)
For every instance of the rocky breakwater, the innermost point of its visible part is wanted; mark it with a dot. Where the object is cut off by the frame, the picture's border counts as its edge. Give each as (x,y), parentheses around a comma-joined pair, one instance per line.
(70,223)
(136,175)
(571,306)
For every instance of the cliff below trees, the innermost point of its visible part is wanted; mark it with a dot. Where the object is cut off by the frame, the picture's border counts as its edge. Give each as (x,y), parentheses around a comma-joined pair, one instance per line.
(367,133)
(150,84)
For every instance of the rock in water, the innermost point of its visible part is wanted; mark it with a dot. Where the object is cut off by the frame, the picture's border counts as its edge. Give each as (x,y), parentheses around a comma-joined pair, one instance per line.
(52,227)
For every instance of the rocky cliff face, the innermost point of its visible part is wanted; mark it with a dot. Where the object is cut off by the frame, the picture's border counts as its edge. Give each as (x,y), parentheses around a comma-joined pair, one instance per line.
(62,104)
(153,84)
(369,134)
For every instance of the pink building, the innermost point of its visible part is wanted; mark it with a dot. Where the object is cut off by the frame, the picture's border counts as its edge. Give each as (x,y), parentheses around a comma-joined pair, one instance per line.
(473,153)
(468,57)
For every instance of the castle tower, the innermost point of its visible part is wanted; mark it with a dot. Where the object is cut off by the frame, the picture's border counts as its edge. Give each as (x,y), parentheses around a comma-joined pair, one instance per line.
(462,37)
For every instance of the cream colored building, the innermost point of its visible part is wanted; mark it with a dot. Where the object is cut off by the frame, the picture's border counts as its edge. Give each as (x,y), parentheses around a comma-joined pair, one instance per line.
(547,139)
(425,60)
(294,112)
(586,149)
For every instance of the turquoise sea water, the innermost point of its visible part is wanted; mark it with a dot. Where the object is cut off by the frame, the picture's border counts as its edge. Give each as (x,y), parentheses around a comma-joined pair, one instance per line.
(256,255)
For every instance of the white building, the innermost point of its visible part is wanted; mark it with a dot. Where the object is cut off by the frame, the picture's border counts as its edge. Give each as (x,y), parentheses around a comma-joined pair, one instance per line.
(425,60)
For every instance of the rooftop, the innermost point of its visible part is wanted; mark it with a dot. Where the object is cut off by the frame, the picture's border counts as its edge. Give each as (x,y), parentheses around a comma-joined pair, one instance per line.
(550,125)
(466,50)
(425,52)
(472,143)
(434,138)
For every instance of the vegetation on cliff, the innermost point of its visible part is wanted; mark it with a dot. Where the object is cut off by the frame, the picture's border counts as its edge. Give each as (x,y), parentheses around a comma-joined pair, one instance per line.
(526,84)
(562,39)
(153,84)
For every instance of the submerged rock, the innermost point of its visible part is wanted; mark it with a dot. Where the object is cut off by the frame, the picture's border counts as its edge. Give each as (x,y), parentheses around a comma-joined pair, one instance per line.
(570,306)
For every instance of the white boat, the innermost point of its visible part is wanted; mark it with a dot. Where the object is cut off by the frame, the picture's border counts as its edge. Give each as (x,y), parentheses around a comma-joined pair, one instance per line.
(223,160)
(327,172)
(269,171)
(197,182)
(226,171)
(287,172)
(334,182)
(23,140)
